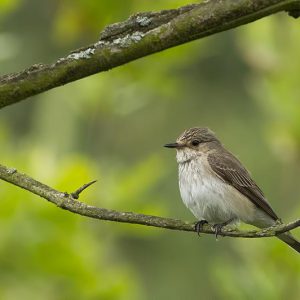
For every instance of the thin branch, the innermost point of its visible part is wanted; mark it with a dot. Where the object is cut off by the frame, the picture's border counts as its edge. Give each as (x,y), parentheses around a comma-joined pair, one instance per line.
(75,195)
(139,36)
(65,201)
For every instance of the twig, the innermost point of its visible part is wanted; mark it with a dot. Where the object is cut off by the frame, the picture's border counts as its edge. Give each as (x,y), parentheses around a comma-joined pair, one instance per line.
(139,36)
(67,202)
(76,194)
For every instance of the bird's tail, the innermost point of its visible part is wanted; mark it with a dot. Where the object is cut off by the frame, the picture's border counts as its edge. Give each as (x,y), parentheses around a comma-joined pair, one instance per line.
(290,240)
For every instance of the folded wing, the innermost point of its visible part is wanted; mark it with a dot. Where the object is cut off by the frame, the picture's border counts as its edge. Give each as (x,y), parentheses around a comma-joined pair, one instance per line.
(230,169)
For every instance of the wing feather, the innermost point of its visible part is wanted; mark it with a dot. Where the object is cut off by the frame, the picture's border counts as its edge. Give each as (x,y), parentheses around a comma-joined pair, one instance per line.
(230,169)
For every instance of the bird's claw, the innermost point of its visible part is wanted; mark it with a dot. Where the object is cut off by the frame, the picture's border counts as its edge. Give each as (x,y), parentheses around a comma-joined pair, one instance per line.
(199,226)
(218,229)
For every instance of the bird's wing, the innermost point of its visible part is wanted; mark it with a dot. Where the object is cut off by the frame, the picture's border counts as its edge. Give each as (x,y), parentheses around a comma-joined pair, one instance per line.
(230,169)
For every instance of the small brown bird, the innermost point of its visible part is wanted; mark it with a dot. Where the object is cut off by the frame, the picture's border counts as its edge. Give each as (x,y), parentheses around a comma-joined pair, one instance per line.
(216,187)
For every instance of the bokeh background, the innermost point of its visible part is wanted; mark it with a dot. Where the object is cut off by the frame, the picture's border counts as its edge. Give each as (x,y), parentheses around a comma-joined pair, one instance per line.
(243,84)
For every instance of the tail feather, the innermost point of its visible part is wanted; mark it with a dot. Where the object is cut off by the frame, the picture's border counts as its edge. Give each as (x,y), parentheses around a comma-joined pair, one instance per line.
(290,240)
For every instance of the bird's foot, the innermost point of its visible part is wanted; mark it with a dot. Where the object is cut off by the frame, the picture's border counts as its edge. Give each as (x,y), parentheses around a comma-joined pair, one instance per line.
(218,227)
(199,226)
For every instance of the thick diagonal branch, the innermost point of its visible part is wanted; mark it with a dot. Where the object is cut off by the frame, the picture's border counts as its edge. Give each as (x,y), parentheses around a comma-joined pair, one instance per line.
(65,201)
(140,35)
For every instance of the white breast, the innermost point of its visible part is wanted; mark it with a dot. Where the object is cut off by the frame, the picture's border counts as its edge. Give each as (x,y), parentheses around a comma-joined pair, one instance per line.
(208,196)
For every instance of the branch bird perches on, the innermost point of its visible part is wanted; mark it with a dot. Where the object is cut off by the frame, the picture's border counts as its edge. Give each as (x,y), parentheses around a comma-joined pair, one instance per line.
(68,202)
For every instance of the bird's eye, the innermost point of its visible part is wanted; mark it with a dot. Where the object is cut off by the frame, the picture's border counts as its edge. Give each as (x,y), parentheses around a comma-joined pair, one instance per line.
(195,142)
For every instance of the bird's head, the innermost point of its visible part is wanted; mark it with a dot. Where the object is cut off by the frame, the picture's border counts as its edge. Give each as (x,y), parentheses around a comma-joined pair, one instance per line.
(192,143)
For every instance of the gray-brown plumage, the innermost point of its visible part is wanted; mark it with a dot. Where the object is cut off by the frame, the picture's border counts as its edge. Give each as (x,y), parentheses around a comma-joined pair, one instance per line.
(216,187)
(229,168)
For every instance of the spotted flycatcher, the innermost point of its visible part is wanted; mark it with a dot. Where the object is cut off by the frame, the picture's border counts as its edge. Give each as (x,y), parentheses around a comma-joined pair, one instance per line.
(216,187)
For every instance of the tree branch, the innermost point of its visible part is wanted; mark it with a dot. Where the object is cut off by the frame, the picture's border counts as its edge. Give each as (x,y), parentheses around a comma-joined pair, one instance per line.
(65,201)
(140,35)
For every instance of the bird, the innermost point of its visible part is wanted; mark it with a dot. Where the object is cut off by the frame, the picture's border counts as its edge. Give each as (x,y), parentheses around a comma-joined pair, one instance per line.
(217,188)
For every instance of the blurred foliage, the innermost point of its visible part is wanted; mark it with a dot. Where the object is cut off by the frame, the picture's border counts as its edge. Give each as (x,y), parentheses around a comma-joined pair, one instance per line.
(6,6)
(244,84)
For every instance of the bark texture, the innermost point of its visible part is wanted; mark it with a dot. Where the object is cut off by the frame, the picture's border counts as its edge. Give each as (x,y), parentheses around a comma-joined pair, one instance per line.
(142,34)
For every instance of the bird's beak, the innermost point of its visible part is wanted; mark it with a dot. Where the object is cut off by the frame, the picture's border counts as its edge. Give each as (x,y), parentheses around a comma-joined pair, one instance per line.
(173,145)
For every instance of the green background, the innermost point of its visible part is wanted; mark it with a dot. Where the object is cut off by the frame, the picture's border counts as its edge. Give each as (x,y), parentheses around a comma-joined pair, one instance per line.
(244,84)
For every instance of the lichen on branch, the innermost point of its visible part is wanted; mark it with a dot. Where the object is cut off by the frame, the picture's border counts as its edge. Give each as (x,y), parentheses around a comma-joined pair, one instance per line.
(140,35)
